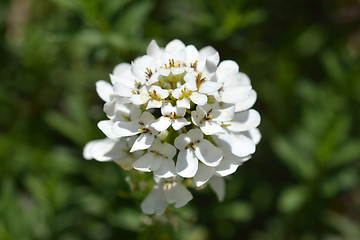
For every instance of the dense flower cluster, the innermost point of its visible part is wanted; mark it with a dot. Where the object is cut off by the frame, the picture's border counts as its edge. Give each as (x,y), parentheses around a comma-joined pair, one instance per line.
(178,113)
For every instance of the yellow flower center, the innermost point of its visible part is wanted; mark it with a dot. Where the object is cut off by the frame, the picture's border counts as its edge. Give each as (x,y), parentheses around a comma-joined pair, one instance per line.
(185,93)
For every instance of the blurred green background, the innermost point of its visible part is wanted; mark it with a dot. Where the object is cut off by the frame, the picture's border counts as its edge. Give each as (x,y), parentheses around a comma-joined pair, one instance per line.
(303,57)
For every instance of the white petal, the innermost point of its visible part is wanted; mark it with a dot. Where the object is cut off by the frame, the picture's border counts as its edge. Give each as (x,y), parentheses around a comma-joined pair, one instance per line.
(226,168)
(149,162)
(134,112)
(125,79)
(115,108)
(239,144)
(106,127)
(167,108)
(187,163)
(181,141)
(104,90)
(174,46)
(203,174)
(180,112)
(144,141)
(164,72)
(235,94)
(119,109)
(122,90)
(239,79)
(126,162)
(100,150)
(156,145)
(87,154)
(121,68)
(155,202)
(138,67)
(210,67)
(198,116)
(166,169)
(125,129)
(217,184)
(190,79)
(162,93)
(147,118)
(179,57)
(177,70)
(244,121)
(153,79)
(198,98)
(246,104)
(209,87)
(179,123)
(153,48)
(211,128)
(109,108)
(178,194)
(176,93)
(162,123)
(143,163)
(224,114)
(228,66)
(206,152)
(255,135)
(183,103)
(233,158)
(154,104)
(195,135)
(139,99)
(192,54)
(167,150)
(209,53)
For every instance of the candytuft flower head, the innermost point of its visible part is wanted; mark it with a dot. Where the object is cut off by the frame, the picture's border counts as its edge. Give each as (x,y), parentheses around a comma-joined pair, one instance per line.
(177,113)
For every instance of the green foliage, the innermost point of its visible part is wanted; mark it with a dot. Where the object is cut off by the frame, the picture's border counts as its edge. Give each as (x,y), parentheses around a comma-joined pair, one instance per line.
(303,58)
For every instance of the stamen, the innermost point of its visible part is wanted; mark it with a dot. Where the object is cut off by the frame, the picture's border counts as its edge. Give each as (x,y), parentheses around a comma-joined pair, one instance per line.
(207,116)
(148,73)
(154,96)
(199,80)
(144,130)
(185,93)
(173,64)
(126,118)
(194,65)
(192,145)
(172,115)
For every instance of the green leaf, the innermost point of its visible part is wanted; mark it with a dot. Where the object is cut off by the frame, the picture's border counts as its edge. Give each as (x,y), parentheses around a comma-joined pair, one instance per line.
(295,158)
(292,198)
(238,211)
(347,153)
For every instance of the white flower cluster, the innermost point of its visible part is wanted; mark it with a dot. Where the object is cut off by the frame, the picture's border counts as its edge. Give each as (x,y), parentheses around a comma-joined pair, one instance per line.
(178,113)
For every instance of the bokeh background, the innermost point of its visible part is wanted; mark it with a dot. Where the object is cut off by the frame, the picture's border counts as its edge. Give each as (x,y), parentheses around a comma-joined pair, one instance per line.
(302,57)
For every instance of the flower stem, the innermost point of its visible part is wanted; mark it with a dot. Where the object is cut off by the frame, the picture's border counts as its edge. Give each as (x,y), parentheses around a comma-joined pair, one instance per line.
(184,129)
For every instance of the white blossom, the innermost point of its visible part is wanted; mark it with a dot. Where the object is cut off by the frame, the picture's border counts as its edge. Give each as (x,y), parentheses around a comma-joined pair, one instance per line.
(193,148)
(158,159)
(217,184)
(140,126)
(177,113)
(164,192)
(170,116)
(210,118)
(112,150)
(186,94)
(236,85)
